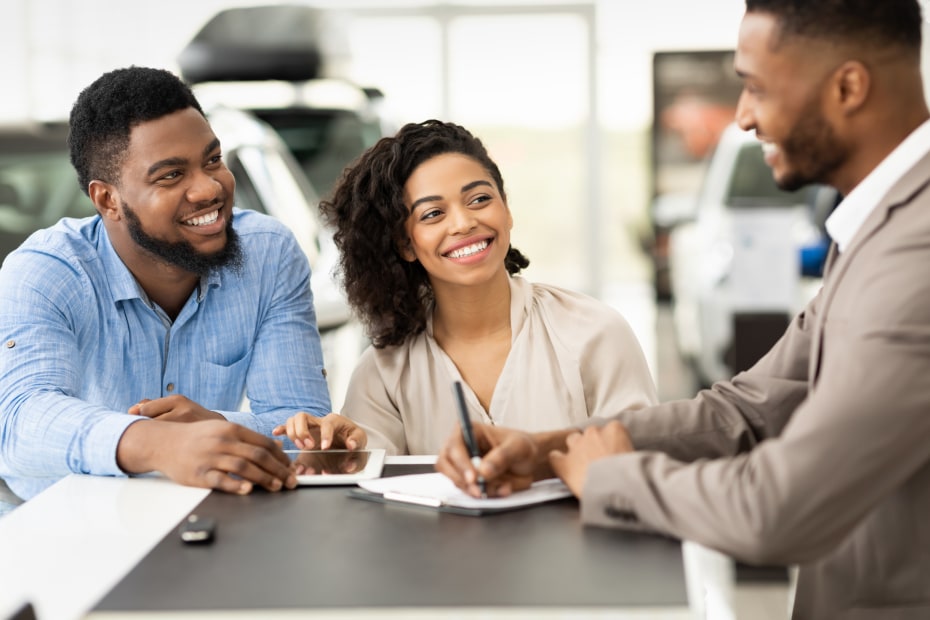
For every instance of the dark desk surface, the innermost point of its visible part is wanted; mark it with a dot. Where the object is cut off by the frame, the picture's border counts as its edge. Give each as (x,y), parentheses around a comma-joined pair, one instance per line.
(319,548)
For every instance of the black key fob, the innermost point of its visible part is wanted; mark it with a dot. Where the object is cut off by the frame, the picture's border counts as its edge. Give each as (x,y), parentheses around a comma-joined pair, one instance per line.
(198,530)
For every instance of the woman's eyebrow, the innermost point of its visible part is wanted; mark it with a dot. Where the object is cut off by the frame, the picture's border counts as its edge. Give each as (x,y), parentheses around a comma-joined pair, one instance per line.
(465,188)
(420,201)
(475,184)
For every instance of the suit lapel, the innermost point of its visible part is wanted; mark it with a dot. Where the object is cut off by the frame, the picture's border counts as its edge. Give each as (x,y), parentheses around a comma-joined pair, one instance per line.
(915,180)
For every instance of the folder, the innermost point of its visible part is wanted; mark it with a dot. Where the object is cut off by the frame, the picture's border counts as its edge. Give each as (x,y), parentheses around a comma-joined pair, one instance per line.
(436,491)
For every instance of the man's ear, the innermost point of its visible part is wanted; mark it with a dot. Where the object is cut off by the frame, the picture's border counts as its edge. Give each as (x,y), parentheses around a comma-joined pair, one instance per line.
(105,198)
(851,85)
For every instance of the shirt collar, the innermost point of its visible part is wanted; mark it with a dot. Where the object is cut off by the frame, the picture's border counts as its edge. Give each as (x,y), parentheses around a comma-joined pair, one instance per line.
(848,217)
(123,285)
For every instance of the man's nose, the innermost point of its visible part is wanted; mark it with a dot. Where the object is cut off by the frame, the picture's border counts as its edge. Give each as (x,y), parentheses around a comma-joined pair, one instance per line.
(744,113)
(203,188)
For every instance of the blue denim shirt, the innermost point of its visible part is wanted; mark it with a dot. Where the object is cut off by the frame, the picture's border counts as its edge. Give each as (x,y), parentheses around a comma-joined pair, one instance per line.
(80,343)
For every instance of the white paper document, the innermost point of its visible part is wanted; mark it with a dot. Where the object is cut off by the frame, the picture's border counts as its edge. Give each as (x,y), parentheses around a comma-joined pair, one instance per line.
(436,490)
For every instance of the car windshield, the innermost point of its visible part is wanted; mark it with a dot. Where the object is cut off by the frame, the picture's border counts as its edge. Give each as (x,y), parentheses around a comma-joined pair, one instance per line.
(752,185)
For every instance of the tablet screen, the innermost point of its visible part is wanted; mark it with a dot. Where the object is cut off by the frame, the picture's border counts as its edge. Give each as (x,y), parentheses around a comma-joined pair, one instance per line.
(330,467)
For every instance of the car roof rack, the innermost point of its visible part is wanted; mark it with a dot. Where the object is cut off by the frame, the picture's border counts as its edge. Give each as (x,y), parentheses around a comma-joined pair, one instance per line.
(273,42)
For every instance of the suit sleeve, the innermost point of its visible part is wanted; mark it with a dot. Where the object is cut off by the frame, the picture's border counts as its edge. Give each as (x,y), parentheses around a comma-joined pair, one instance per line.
(808,480)
(733,416)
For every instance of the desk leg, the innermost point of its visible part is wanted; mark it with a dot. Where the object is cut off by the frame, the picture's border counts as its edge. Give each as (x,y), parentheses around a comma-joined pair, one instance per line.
(710,578)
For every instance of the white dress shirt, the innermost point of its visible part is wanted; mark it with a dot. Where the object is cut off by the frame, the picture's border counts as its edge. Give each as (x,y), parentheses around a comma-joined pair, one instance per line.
(845,221)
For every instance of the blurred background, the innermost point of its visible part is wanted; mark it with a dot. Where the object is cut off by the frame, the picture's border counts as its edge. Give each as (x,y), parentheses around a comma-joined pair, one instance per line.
(611,121)
(604,117)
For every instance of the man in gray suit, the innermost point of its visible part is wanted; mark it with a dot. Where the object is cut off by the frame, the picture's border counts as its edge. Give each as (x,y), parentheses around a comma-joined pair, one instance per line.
(819,455)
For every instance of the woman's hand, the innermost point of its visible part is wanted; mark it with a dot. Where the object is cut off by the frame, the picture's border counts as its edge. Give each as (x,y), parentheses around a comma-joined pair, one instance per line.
(309,432)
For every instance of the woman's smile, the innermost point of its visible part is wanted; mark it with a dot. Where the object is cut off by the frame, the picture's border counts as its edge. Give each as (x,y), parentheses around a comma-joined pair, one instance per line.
(472,250)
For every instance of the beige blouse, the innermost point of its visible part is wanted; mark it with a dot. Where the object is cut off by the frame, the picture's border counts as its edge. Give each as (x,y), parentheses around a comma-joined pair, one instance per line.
(572,357)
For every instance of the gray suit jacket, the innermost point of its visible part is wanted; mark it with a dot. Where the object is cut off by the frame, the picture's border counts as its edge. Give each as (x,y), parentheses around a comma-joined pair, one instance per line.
(819,455)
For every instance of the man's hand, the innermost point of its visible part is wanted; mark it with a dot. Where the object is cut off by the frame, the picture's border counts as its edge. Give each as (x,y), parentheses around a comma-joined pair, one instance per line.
(213,453)
(175,408)
(585,448)
(511,460)
(331,431)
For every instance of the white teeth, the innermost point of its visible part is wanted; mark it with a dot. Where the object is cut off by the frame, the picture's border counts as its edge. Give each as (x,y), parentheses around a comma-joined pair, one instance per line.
(768,148)
(203,220)
(469,250)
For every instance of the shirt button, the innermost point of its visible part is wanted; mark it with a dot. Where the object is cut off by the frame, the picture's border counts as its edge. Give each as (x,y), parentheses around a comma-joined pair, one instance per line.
(170,387)
(324,371)
(10,344)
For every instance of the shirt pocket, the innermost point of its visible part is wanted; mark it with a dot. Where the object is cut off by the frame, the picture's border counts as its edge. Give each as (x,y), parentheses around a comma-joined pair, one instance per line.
(222,386)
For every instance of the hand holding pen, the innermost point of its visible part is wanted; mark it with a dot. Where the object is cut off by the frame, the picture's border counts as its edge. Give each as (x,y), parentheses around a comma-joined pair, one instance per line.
(469,436)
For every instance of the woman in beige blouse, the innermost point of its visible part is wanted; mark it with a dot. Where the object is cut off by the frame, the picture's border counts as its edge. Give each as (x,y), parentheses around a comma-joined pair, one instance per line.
(423,229)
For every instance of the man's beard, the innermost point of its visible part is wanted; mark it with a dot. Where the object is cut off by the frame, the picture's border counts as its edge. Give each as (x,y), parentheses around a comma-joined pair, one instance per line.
(182,254)
(812,151)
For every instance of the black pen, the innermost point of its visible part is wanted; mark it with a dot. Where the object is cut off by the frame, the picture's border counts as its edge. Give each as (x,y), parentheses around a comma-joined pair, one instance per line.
(469,435)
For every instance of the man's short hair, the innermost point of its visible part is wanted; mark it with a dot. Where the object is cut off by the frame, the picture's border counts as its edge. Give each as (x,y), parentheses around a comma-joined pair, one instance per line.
(876,23)
(106,111)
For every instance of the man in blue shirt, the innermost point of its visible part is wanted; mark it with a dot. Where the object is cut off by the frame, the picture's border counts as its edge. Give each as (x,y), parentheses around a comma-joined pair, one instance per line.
(131,338)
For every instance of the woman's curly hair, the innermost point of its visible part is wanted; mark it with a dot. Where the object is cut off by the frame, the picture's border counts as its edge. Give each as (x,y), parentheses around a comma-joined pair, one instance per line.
(366,209)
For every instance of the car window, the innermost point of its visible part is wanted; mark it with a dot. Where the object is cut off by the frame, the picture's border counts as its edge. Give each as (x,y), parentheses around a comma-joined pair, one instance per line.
(246,195)
(752,185)
(36,190)
(323,141)
(268,177)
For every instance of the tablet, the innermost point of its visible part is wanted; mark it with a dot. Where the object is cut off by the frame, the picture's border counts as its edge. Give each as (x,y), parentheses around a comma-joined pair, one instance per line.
(334,467)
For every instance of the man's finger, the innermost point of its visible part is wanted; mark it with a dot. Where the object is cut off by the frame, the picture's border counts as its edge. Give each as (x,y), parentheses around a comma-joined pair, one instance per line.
(250,472)
(222,481)
(134,410)
(261,449)
(617,436)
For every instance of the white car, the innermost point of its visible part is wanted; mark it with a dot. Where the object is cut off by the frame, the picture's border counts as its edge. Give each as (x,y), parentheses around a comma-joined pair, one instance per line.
(744,257)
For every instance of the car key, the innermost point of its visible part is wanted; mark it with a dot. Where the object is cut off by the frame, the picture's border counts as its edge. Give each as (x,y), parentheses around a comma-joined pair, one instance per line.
(198,530)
